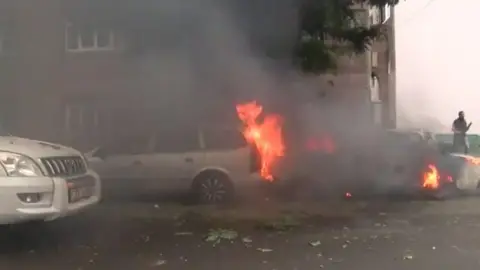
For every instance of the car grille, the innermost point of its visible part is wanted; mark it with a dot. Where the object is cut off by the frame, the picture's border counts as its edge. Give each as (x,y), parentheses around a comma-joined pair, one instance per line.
(64,166)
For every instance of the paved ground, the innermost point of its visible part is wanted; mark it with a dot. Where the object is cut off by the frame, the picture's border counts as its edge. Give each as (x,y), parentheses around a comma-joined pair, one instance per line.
(341,235)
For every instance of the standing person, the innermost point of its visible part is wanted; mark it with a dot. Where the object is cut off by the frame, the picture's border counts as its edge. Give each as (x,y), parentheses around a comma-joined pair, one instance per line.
(460,128)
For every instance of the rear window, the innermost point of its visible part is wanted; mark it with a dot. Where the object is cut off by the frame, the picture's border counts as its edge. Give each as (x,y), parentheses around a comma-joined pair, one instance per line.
(398,137)
(128,146)
(223,139)
(177,141)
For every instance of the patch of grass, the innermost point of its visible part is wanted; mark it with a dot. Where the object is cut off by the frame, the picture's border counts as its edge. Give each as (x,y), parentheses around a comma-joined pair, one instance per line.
(282,224)
(272,216)
(217,235)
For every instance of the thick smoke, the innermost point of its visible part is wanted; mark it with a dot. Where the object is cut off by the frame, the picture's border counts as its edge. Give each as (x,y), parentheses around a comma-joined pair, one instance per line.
(212,55)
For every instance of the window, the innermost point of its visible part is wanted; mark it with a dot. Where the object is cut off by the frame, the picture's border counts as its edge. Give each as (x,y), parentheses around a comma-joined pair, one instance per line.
(362,17)
(374,16)
(352,22)
(81,117)
(375,89)
(133,145)
(179,140)
(386,13)
(88,38)
(223,139)
(374,59)
(401,138)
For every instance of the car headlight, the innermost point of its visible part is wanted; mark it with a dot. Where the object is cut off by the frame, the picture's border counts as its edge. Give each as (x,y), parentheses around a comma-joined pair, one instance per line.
(17,165)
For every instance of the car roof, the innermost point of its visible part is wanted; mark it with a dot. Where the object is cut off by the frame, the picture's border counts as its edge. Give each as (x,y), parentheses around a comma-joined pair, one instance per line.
(409,130)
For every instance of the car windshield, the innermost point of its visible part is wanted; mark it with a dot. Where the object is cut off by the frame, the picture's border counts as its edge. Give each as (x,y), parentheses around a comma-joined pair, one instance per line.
(405,137)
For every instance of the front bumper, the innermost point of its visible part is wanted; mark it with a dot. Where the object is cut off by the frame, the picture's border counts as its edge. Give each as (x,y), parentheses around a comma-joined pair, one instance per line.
(53,192)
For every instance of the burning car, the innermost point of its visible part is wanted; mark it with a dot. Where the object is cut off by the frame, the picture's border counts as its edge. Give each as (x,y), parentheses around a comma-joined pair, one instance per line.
(209,162)
(413,161)
(394,161)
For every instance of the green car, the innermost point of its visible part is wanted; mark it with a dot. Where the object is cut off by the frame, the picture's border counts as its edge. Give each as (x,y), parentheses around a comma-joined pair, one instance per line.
(473,141)
(424,161)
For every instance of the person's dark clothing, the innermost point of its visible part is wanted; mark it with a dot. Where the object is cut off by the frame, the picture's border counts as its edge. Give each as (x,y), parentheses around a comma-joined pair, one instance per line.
(460,135)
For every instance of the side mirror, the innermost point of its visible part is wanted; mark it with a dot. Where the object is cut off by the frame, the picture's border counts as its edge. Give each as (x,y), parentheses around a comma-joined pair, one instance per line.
(100,153)
(97,153)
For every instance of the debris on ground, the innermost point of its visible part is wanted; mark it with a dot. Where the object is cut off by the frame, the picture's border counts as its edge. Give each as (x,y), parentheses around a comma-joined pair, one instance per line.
(408,255)
(315,243)
(159,263)
(284,224)
(183,233)
(216,236)
(247,240)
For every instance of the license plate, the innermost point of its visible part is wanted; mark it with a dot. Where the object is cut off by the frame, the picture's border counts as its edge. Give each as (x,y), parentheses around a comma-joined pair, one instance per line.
(80,193)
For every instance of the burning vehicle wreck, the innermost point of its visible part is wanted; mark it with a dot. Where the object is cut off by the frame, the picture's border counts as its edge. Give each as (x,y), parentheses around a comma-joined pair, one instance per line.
(213,163)
(408,162)
(392,162)
(210,163)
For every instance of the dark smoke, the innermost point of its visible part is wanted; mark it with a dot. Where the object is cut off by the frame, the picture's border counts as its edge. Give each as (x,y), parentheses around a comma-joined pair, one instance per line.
(197,59)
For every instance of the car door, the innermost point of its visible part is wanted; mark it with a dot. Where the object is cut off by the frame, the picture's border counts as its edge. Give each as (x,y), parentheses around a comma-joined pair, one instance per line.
(176,157)
(122,160)
(227,149)
(402,159)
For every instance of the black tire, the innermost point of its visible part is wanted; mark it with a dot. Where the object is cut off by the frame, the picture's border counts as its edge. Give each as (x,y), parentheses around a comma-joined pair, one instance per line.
(212,187)
(446,193)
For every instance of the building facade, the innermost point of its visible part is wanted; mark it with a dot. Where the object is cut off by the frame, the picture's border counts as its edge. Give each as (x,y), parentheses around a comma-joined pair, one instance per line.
(73,82)
(61,82)
(366,82)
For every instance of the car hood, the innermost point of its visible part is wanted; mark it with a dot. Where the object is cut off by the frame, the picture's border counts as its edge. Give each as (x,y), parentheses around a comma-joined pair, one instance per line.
(35,149)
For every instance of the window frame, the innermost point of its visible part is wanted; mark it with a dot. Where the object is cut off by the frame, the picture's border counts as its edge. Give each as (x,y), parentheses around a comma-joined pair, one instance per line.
(75,117)
(207,147)
(198,148)
(375,16)
(95,48)
(124,147)
(375,95)
(374,59)
(386,13)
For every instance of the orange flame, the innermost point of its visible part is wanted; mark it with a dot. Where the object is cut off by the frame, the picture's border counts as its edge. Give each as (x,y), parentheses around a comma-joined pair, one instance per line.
(431,178)
(266,136)
(473,160)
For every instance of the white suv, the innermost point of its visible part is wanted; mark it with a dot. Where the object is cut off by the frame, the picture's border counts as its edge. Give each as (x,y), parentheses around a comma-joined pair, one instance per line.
(210,162)
(43,181)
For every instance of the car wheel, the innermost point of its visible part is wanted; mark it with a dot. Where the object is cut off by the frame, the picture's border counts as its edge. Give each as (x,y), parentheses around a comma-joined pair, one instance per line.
(213,187)
(446,193)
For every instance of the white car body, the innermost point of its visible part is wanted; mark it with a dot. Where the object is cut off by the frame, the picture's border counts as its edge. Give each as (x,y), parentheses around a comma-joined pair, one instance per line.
(468,178)
(44,196)
(169,170)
